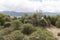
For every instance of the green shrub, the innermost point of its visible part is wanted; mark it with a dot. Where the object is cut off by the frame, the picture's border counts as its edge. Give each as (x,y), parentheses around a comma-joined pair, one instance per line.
(7,19)
(1,27)
(48,21)
(7,24)
(58,23)
(6,31)
(43,22)
(15,18)
(4,18)
(35,19)
(24,19)
(16,24)
(27,29)
(16,35)
(42,34)
(1,38)
(52,19)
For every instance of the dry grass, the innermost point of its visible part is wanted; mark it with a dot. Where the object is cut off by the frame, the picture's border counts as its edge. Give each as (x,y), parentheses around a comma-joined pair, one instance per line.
(55,31)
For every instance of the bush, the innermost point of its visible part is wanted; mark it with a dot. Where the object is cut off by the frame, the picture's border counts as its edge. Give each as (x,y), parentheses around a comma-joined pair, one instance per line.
(16,35)
(4,18)
(42,34)
(35,19)
(27,29)
(1,38)
(52,19)
(43,22)
(58,23)
(48,21)
(16,24)
(1,27)
(5,31)
(7,24)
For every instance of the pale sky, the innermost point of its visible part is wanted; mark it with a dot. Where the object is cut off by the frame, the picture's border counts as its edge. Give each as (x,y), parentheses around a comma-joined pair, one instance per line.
(30,5)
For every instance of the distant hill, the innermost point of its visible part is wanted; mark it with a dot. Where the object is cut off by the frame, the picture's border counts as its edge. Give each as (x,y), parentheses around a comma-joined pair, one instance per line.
(13,13)
(51,13)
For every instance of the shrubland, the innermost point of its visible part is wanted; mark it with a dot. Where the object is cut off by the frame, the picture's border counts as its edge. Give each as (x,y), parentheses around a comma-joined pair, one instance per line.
(27,27)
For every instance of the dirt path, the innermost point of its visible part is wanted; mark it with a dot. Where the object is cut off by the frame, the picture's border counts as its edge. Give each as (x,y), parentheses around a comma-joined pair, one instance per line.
(55,31)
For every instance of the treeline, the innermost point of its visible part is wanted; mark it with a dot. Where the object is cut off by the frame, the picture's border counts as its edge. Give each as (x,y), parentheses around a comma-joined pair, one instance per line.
(27,27)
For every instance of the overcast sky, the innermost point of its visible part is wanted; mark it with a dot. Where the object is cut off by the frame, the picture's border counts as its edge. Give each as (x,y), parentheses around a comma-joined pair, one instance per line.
(30,5)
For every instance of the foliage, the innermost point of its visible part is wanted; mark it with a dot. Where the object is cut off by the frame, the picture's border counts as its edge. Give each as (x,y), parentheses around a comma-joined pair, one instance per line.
(58,23)
(5,31)
(16,24)
(16,35)
(1,27)
(7,24)
(42,34)
(15,18)
(52,19)
(35,19)
(43,22)
(24,19)
(27,29)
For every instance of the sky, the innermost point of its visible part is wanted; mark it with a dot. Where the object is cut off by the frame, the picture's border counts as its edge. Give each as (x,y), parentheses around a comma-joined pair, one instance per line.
(30,5)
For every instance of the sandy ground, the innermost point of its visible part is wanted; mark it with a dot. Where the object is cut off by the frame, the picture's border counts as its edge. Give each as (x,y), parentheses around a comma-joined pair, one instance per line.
(55,31)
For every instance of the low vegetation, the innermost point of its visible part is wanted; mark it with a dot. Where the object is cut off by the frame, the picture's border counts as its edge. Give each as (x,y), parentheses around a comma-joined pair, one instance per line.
(28,27)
